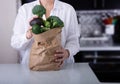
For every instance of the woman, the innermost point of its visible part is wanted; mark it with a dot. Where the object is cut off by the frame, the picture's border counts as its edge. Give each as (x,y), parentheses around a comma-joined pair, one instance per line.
(22,36)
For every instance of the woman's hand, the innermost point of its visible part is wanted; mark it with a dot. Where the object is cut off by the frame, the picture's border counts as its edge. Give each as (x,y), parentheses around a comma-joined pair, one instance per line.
(29,31)
(60,55)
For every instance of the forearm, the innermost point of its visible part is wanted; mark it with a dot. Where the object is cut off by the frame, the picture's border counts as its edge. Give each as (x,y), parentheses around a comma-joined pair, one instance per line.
(19,41)
(73,47)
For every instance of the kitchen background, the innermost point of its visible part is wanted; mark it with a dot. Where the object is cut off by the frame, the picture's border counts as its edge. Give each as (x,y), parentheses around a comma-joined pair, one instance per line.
(97,22)
(99,27)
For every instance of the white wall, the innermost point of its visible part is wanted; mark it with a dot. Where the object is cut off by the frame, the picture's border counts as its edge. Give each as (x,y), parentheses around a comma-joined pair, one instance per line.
(7,17)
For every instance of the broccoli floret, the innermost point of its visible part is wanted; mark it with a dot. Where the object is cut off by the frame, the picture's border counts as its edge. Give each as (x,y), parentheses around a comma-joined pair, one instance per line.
(39,10)
(47,24)
(36,29)
(55,22)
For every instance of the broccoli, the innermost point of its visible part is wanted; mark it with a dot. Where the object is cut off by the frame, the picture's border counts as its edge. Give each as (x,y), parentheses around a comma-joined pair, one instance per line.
(47,24)
(39,10)
(39,25)
(36,29)
(55,22)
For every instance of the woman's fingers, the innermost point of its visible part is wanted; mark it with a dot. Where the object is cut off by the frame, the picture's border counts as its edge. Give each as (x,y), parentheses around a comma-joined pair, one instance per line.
(61,64)
(59,55)
(29,33)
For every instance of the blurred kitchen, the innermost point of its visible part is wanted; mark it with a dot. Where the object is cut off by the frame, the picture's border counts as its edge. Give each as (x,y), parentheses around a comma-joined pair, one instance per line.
(99,25)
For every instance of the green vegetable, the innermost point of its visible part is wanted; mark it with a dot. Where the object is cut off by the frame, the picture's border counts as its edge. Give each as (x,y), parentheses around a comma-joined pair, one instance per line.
(36,29)
(47,24)
(39,10)
(45,29)
(55,22)
(39,25)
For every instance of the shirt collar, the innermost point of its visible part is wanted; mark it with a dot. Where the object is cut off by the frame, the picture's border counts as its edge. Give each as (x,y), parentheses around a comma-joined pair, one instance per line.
(56,4)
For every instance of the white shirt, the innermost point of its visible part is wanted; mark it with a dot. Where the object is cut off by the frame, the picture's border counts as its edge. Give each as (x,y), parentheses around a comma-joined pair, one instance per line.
(70,32)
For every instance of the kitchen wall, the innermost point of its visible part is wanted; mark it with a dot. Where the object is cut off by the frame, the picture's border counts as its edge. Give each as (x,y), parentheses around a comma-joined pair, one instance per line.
(91,21)
(7,17)
(92,25)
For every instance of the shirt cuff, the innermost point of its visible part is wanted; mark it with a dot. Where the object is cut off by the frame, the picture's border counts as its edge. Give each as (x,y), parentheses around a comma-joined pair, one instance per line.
(70,58)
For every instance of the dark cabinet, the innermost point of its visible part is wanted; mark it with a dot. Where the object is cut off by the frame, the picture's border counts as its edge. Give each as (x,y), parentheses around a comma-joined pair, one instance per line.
(107,4)
(98,56)
(111,4)
(81,4)
(26,1)
(94,4)
(99,4)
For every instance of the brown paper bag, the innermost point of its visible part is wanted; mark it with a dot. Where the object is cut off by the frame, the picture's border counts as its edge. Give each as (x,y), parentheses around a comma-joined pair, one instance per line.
(43,49)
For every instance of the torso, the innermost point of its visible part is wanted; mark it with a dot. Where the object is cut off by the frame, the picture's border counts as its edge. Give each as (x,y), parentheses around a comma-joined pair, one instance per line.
(48,11)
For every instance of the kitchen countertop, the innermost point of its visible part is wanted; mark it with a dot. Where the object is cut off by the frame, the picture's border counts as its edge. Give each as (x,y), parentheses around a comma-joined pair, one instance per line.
(78,73)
